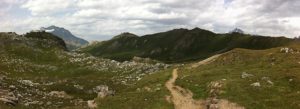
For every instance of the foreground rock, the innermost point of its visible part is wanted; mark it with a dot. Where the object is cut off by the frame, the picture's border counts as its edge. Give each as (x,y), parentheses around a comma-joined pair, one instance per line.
(60,94)
(103,91)
(92,104)
(8,97)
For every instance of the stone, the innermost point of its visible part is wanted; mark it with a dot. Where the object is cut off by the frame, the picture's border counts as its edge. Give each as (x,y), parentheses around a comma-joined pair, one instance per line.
(31,103)
(267,79)
(8,101)
(28,83)
(12,87)
(78,87)
(8,97)
(256,84)
(92,104)
(246,75)
(270,82)
(286,50)
(213,106)
(60,94)
(103,91)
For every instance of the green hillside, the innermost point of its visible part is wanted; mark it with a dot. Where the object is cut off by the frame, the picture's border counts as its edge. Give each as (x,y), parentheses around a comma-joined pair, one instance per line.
(179,45)
(252,79)
(255,79)
(37,72)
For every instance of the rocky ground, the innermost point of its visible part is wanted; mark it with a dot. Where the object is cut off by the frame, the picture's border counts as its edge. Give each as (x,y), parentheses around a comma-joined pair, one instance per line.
(35,73)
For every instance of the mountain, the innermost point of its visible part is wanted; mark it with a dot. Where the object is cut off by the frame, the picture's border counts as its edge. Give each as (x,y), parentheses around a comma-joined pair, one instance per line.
(36,71)
(237,30)
(179,45)
(72,41)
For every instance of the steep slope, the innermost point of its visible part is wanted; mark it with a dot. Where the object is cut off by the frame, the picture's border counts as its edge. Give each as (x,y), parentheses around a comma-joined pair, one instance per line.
(180,45)
(72,41)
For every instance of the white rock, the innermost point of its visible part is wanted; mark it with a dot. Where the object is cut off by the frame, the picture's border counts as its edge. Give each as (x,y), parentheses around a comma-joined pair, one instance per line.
(256,84)
(246,75)
(270,82)
(92,104)
(28,82)
(59,94)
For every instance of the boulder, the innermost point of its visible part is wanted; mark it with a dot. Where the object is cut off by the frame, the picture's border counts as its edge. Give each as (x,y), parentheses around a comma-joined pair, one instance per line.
(103,91)
(256,84)
(246,75)
(28,83)
(92,104)
(60,94)
(8,97)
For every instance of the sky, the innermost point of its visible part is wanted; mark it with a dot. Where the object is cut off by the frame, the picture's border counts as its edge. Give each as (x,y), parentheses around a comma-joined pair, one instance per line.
(103,19)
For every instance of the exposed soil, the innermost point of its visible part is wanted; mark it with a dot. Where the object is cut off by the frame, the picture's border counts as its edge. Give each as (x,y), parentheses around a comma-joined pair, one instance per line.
(183,98)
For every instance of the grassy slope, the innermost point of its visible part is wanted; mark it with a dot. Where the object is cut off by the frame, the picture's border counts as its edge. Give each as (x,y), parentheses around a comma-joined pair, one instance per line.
(133,98)
(284,94)
(33,59)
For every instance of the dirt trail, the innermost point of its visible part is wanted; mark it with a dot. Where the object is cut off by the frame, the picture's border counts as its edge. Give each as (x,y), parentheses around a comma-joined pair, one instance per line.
(206,61)
(183,98)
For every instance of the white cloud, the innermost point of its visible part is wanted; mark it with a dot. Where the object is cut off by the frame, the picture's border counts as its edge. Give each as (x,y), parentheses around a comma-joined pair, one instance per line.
(105,18)
(89,13)
(47,7)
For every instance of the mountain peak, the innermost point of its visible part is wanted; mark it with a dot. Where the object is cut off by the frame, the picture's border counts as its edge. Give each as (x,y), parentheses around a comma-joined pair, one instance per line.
(237,30)
(71,40)
(125,34)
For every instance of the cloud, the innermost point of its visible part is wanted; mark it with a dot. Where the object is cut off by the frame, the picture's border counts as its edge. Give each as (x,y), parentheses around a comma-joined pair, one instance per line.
(47,7)
(101,19)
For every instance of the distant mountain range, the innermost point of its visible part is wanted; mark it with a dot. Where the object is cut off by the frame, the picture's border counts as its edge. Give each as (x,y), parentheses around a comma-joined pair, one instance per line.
(71,41)
(180,45)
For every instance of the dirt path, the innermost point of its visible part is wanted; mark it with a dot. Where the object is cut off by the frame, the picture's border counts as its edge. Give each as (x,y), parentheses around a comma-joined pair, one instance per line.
(181,97)
(206,61)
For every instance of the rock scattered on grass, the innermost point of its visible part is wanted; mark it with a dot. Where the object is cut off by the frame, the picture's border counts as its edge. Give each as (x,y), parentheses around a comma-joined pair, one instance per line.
(28,83)
(60,94)
(8,97)
(256,84)
(246,75)
(268,80)
(92,104)
(103,91)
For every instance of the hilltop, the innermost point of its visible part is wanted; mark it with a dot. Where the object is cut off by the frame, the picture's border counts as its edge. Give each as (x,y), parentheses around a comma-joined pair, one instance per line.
(179,45)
